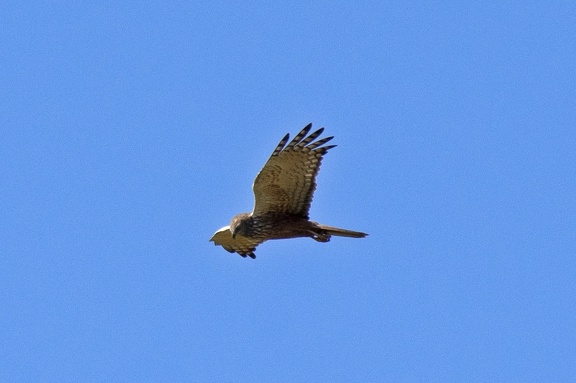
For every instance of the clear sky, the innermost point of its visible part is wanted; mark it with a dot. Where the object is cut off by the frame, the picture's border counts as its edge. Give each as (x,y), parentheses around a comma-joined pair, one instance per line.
(131,132)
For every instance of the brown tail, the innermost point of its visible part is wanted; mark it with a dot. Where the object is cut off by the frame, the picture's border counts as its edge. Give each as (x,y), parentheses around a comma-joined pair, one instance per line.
(342,232)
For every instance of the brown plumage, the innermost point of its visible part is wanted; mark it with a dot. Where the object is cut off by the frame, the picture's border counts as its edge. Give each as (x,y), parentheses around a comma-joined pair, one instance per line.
(283,191)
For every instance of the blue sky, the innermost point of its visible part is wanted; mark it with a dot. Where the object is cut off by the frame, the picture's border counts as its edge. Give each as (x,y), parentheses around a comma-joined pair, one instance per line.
(131,132)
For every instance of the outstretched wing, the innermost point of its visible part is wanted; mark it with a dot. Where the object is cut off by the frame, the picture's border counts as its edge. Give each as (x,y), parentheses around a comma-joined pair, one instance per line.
(241,245)
(286,183)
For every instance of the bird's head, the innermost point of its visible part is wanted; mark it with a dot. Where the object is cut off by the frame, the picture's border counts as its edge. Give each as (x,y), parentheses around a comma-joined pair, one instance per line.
(240,225)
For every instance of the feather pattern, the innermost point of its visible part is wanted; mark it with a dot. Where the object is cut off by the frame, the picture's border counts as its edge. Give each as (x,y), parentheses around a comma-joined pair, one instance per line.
(287,182)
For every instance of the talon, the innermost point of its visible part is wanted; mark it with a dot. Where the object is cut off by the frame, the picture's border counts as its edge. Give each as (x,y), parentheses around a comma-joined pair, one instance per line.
(321,237)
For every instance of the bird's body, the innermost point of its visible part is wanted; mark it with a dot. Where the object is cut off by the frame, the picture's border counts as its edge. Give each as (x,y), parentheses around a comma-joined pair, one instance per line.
(269,226)
(283,191)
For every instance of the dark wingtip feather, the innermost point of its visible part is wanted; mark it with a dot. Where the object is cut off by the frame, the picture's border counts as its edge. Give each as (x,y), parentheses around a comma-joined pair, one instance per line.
(281,144)
(323,150)
(319,143)
(310,138)
(299,136)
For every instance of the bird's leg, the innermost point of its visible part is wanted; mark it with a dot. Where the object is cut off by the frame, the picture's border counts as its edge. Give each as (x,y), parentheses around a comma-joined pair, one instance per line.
(320,236)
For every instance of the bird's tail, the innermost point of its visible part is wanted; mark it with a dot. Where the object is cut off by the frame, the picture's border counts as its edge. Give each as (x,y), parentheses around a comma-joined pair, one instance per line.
(342,232)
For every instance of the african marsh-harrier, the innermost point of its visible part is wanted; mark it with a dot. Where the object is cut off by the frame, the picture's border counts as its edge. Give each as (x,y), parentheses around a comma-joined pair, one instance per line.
(283,191)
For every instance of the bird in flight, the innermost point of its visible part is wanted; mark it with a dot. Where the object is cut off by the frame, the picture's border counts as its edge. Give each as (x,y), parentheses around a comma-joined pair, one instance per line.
(283,191)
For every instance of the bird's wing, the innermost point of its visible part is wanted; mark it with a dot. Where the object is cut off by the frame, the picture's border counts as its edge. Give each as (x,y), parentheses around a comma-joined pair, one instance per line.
(241,245)
(286,183)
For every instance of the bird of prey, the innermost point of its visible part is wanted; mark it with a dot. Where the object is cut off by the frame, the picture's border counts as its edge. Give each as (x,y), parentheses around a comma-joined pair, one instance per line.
(283,192)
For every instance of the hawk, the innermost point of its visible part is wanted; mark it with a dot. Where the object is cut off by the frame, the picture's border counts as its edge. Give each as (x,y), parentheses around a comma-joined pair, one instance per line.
(283,191)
